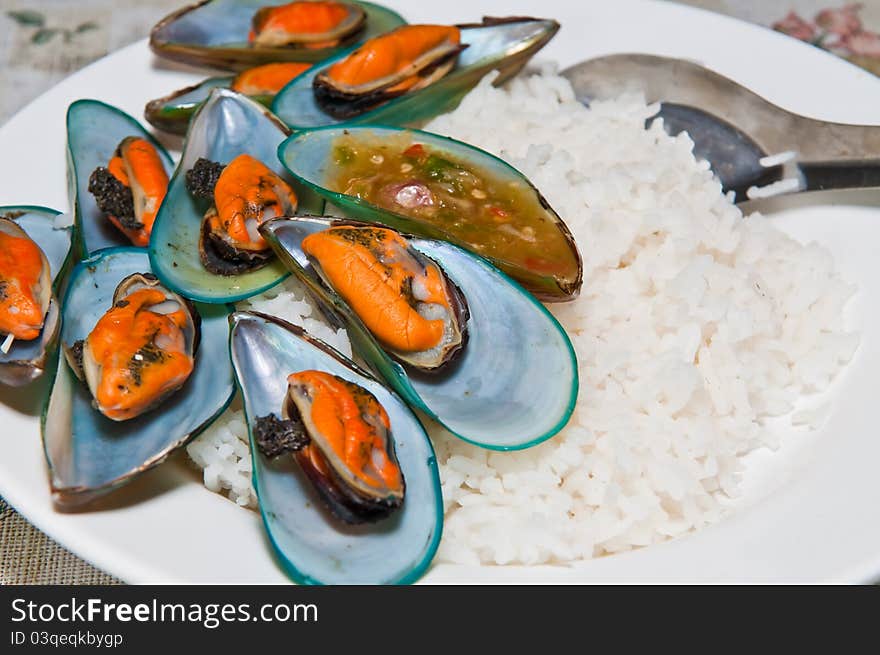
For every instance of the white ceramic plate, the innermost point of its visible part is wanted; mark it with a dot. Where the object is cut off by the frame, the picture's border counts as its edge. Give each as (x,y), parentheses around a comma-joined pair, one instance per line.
(810,512)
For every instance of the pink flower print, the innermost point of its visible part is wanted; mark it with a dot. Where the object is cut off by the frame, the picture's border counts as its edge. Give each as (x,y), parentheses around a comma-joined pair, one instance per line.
(843,22)
(864,44)
(795,26)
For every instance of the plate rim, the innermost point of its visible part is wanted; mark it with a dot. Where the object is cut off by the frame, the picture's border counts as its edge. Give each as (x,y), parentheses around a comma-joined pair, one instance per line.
(87,547)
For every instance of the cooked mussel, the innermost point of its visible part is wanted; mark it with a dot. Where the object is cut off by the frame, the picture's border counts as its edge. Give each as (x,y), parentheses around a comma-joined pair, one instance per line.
(486,395)
(89,453)
(341,437)
(140,351)
(118,176)
(411,74)
(238,34)
(222,258)
(243,194)
(309,24)
(28,312)
(130,189)
(402,296)
(25,285)
(34,250)
(404,60)
(301,503)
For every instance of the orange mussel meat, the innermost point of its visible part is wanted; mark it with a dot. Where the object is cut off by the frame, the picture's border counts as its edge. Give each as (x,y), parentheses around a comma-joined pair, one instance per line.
(244,193)
(306,24)
(404,299)
(139,352)
(354,427)
(248,193)
(25,284)
(406,59)
(268,79)
(131,188)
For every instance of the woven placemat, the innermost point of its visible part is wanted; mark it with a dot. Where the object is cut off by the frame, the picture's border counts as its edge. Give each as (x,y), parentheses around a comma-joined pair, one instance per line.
(27,556)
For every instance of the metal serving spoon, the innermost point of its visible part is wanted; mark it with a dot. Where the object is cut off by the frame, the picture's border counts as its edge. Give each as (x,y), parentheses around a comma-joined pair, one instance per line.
(756,148)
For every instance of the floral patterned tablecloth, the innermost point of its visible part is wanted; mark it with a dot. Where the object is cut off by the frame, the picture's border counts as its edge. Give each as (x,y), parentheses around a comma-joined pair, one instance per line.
(43,41)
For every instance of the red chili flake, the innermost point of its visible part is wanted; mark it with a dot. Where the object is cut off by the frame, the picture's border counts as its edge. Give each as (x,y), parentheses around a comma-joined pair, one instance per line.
(541,265)
(416,151)
(497,211)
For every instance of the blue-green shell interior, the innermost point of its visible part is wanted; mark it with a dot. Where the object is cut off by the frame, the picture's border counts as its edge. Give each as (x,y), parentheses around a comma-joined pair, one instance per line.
(313,546)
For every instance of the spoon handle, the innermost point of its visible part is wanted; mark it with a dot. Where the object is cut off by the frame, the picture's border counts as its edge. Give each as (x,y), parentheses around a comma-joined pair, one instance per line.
(826,142)
(843,174)
(835,155)
(829,155)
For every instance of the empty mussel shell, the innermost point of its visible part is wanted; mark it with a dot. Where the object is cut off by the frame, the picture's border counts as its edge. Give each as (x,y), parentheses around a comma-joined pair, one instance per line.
(215,33)
(89,454)
(313,545)
(227,125)
(502,44)
(94,131)
(488,396)
(25,361)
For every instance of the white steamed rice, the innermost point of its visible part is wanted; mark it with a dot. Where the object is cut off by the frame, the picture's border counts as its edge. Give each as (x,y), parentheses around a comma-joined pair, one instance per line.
(694,327)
